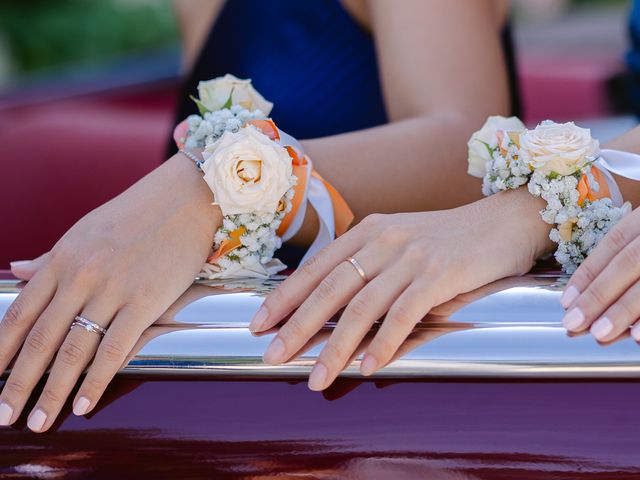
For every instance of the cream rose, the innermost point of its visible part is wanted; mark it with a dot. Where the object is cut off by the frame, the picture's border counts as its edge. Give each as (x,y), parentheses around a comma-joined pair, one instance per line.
(214,94)
(479,154)
(561,148)
(247,172)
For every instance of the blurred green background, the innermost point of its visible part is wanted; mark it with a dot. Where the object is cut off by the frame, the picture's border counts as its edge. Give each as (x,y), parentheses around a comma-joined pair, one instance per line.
(39,35)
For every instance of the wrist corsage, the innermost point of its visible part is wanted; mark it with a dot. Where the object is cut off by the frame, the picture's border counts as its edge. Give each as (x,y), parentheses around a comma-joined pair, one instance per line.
(260,177)
(564,165)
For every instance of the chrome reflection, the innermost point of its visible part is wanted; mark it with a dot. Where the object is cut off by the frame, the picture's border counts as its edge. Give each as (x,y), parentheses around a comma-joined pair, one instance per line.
(509,329)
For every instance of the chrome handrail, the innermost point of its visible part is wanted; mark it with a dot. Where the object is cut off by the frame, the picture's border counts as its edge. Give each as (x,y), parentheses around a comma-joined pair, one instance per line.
(510,329)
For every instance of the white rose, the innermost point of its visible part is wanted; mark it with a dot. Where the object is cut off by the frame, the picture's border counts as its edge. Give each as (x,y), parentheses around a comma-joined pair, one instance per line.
(247,172)
(214,94)
(560,148)
(479,154)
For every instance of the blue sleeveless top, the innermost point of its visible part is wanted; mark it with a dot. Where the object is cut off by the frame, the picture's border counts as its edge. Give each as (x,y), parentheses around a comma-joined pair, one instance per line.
(309,57)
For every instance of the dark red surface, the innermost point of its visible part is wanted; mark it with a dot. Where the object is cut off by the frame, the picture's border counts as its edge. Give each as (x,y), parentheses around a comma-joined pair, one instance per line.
(167,428)
(61,159)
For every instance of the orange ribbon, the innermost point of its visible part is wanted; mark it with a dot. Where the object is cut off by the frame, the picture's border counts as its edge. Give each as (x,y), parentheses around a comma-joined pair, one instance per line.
(587,193)
(228,245)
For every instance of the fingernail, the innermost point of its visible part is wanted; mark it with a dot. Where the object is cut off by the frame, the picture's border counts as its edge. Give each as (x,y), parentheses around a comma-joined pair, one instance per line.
(601,328)
(259,318)
(19,263)
(573,319)
(318,377)
(81,406)
(36,420)
(368,365)
(568,297)
(274,352)
(6,412)
(635,332)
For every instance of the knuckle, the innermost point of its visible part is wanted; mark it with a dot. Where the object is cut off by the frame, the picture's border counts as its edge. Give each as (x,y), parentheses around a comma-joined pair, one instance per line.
(617,239)
(382,348)
(72,353)
(594,297)
(360,306)
(15,314)
(332,356)
(414,252)
(632,254)
(293,329)
(112,351)
(373,220)
(622,312)
(328,288)
(400,314)
(94,385)
(310,267)
(15,387)
(37,341)
(587,273)
(51,396)
(388,236)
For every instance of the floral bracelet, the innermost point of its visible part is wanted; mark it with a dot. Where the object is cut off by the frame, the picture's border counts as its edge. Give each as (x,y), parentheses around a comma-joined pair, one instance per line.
(561,164)
(255,171)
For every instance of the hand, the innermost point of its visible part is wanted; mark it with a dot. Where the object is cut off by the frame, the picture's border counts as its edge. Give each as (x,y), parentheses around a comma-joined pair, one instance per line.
(603,295)
(413,262)
(121,266)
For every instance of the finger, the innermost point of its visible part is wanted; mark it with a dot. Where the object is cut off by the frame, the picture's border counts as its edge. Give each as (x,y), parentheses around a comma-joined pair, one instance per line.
(121,338)
(616,278)
(75,353)
(39,347)
(370,304)
(295,289)
(617,239)
(22,314)
(335,291)
(26,269)
(619,316)
(411,307)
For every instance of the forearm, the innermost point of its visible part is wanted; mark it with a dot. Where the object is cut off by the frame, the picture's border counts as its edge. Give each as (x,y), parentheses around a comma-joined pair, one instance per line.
(418,164)
(628,142)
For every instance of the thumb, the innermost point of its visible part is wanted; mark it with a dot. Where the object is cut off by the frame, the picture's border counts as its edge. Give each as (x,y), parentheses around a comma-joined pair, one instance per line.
(25,269)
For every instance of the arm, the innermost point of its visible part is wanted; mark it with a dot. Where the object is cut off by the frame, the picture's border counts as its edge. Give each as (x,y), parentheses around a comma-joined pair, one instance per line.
(443,73)
(628,142)
(121,266)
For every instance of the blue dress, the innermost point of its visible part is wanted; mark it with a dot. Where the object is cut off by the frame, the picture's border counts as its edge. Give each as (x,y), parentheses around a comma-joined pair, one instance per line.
(309,57)
(633,58)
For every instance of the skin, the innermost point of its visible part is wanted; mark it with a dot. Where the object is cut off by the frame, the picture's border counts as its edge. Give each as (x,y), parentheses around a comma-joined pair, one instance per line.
(603,295)
(416,262)
(123,264)
(413,262)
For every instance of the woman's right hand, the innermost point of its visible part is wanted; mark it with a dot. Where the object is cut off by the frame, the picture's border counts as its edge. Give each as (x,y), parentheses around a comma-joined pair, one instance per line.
(411,263)
(121,266)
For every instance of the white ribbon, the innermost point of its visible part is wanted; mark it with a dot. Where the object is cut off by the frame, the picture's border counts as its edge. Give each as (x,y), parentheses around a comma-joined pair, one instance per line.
(620,163)
(318,196)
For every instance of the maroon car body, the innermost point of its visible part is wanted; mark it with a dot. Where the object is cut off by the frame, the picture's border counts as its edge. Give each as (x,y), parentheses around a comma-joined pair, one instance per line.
(490,388)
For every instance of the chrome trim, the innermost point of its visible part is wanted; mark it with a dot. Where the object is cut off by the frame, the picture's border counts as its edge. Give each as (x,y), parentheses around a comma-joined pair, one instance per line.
(510,329)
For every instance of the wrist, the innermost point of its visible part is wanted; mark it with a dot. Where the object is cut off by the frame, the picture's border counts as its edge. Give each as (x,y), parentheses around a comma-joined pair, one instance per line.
(520,228)
(189,192)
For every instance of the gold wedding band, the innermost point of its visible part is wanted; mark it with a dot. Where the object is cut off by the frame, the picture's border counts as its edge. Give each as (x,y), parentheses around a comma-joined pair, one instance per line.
(358,268)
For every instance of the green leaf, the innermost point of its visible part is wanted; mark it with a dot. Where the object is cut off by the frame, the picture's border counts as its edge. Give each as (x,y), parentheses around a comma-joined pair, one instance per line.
(201,106)
(228,103)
